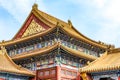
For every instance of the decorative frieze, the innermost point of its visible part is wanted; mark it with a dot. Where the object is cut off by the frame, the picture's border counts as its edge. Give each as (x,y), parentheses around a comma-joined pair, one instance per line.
(33,28)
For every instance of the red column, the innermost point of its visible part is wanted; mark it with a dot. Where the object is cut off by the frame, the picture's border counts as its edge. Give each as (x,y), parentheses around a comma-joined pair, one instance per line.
(58,73)
(119,78)
(2,79)
(78,77)
(89,77)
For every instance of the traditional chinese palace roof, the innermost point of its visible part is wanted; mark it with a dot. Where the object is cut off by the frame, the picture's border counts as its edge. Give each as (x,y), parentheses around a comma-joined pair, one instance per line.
(47,49)
(109,61)
(50,23)
(7,65)
(39,24)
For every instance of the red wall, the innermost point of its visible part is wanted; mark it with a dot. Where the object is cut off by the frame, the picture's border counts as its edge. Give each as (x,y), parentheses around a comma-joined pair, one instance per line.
(119,78)
(2,79)
(59,75)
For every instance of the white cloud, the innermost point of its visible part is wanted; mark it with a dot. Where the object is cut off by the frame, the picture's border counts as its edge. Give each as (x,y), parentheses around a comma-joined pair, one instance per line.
(109,27)
(106,16)
(19,9)
(4,31)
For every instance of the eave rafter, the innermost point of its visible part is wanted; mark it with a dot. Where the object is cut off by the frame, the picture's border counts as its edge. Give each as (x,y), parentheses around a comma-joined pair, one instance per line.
(47,49)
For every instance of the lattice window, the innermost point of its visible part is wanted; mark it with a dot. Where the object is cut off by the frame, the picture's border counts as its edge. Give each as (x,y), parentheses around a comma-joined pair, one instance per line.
(62,71)
(47,73)
(69,73)
(53,72)
(41,74)
(74,73)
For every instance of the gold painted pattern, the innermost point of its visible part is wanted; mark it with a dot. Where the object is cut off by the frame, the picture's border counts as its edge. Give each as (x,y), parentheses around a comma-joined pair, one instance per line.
(33,28)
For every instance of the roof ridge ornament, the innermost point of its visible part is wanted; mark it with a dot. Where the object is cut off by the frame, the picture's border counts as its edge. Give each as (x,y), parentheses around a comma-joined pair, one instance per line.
(58,24)
(35,6)
(3,50)
(109,46)
(70,23)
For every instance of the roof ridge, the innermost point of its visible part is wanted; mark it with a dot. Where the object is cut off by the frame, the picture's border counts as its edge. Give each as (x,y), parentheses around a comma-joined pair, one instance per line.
(48,15)
(114,50)
(55,20)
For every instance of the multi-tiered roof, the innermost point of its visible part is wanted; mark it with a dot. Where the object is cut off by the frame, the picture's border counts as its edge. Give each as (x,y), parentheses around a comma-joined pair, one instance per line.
(33,27)
(51,23)
(50,48)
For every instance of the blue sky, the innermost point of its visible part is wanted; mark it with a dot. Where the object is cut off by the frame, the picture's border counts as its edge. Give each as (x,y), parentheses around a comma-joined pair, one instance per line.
(96,19)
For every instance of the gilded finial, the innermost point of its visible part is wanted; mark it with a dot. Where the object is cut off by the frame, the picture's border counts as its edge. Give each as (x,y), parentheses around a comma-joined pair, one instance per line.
(105,53)
(58,24)
(70,23)
(88,62)
(35,6)
(3,41)
(20,66)
(3,50)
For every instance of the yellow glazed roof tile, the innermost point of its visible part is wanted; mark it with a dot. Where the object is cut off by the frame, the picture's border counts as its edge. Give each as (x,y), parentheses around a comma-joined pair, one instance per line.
(52,22)
(50,48)
(109,61)
(7,65)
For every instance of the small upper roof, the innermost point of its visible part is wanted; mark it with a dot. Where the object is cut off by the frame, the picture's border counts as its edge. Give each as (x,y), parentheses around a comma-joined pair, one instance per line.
(7,65)
(108,61)
(51,22)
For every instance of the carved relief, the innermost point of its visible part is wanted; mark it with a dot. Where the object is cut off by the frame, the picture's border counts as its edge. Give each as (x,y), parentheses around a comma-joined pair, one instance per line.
(33,28)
